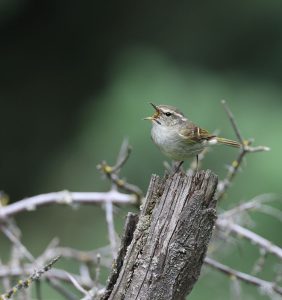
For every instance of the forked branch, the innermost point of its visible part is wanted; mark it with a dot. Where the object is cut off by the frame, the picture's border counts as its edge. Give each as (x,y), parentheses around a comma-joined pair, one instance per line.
(245,149)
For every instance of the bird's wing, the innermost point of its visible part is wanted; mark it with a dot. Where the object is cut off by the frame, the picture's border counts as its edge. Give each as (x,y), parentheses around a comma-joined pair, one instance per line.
(195,134)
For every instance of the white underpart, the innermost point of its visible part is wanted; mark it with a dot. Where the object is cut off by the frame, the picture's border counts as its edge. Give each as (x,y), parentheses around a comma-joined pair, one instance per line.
(173,145)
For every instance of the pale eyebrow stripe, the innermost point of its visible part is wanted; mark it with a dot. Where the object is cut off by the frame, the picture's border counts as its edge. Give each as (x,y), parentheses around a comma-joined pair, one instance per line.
(179,115)
(174,113)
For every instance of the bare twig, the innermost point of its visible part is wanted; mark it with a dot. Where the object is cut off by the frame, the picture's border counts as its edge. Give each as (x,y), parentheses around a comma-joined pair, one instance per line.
(76,284)
(117,181)
(245,148)
(52,274)
(227,226)
(124,153)
(94,293)
(15,240)
(84,271)
(253,204)
(233,122)
(26,283)
(67,198)
(111,228)
(98,269)
(258,266)
(265,286)
(112,171)
(88,295)
(235,288)
(88,257)
(55,276)
(271,211)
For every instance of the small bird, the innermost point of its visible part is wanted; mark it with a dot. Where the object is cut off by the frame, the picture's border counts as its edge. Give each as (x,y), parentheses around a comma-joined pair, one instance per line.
(178,138)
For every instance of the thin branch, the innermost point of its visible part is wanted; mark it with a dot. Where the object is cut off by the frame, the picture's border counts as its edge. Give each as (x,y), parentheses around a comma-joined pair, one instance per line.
(88,257)
(253,204)
(84,270)
(111,228)
(250,149)
(112,171)
(118,182)
(76,284)
(223,185)
(124,153)
(233,122)
(245,148)
(259,264)
(52,274)
(14,240)
(266,286)
(235,289)
(26,283)
(227,226)
(94,292)
(98,269)
(88,295)
(67,198)
(271,211)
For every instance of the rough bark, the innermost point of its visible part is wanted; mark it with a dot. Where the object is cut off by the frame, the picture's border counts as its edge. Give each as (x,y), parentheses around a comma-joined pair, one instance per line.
(161,256)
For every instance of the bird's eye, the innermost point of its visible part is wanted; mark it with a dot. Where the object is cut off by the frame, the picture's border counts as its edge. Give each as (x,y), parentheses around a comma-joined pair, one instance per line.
(168,114)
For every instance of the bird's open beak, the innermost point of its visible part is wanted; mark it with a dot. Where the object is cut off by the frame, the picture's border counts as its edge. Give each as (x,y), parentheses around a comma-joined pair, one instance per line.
(154,115)
(155,106)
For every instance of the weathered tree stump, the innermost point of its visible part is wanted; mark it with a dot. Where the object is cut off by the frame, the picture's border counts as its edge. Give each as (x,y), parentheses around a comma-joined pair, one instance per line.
(163,250)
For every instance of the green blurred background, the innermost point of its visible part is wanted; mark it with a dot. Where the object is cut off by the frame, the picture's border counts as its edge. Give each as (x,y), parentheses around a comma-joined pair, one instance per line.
(77,76)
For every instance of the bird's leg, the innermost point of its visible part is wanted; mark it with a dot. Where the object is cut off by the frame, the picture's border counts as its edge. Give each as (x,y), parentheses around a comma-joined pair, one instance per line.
(177,167)
(197,175)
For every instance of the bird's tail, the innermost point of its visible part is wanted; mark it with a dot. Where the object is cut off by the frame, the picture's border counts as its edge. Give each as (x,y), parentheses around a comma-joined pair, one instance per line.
(227,142)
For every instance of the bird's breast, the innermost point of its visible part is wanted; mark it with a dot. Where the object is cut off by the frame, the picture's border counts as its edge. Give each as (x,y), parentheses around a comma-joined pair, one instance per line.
(173,145)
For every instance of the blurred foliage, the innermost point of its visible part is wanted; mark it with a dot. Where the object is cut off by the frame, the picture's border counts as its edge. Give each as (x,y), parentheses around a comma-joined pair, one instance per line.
(77,78)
